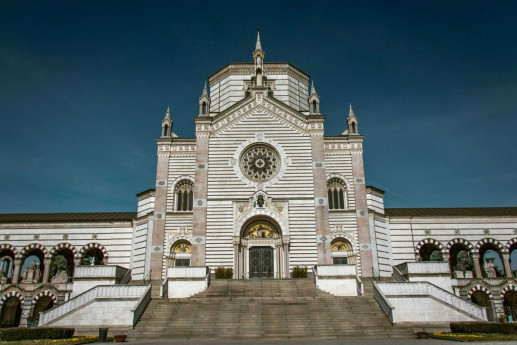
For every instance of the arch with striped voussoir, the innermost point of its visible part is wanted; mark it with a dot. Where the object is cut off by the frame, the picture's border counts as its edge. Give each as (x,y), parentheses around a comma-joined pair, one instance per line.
(64,245)
(175,239)
(41,294)
(481,288)
(461,241)
(94,245)
(490,241)
(12,293)
(33,246)
(509,287)
(429,241)
(7,246)
(511,243)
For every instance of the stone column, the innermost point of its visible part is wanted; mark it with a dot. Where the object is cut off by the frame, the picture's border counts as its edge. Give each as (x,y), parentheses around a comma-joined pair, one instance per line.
(477,266)
(17,269)
(320,190)
(506,264)
(278,262)
(46,270)
(200,191)
(286,260)
(236,259)
(363,229)
(160,204)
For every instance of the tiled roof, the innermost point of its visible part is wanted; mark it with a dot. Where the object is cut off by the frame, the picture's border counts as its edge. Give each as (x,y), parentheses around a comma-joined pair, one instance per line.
(452,212)
(66,217)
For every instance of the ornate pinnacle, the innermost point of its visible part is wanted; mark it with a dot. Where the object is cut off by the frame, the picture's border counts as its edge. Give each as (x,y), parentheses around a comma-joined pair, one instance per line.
(258,46)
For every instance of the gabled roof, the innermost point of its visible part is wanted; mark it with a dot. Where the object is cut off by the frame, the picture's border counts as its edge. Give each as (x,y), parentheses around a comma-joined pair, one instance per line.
(66,217)
(452,212)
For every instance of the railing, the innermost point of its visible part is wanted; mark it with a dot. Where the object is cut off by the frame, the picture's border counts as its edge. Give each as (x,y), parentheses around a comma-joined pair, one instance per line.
(422,268)
(398,275)
(397,289)
(147,278)
(383,303)
(126,278)
(360,286)
(100,271)
(375,274)
(141,305)
(164,289)
(101,291)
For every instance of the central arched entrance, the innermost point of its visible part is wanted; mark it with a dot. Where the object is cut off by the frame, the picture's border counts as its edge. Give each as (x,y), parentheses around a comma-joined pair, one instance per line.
(261,251)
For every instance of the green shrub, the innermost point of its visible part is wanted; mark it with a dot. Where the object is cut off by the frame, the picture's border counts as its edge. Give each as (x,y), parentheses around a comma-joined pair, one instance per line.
(299,272)
(223,273)
(18,333)
(483,327)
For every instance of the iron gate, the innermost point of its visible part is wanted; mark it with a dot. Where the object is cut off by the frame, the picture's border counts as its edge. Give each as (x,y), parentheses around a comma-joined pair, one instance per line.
(261,262)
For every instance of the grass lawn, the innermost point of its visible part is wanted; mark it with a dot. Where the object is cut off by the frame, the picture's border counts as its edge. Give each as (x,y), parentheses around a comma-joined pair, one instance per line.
(471,337)
(69,341)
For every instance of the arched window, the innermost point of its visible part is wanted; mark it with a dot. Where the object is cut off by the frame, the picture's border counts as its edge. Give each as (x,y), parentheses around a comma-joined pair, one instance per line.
(184,193)
(336,194)
(180,253)
(354,129)
(314,108)
(460,258)
(430,252)
(165,130)
(342,252)
(204,108)
(491,261)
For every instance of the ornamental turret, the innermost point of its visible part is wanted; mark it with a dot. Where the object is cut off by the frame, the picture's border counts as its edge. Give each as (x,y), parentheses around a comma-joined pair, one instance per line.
(314,101)
(258,58)
(167,124)
(204,103)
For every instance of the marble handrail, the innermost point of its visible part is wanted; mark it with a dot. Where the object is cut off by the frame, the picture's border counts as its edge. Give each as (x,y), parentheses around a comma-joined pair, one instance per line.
(383,302)
(399,289)
(100,271)
(101,291)
(424,267)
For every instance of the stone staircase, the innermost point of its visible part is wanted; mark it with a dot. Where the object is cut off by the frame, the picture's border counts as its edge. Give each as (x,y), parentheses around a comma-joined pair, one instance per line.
(266,309)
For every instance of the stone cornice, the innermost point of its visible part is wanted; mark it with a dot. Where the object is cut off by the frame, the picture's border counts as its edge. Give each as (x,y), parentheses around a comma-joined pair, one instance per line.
(51,226)
(450,220)
(245,68)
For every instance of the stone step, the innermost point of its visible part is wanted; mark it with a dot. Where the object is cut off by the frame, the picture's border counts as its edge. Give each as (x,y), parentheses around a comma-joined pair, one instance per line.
(266,309)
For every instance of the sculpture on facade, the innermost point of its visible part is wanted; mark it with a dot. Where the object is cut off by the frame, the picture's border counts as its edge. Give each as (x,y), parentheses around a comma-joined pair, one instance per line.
(32,274)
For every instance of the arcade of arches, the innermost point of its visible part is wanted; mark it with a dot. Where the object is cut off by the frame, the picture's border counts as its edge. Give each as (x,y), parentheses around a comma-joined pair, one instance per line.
(34,267)
(489,261)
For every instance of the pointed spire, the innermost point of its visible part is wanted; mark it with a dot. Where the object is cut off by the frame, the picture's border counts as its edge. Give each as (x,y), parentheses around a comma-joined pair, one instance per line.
(168,113)
(258,46)
(313,89)
(351,111)
(205,92)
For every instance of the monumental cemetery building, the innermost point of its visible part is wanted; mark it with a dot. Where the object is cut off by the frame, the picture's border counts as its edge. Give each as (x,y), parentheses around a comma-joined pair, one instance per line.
(260,190)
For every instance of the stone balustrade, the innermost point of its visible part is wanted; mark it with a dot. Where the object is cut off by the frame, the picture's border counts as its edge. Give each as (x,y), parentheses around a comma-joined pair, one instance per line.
(110,294)
(419,268)
(183,282)
(424,302)
(339,280)
(101,271)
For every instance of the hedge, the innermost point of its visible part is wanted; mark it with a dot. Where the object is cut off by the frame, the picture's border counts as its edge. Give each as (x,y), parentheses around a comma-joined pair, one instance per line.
(19,333)
(299,272)
(223,273)
(483,327)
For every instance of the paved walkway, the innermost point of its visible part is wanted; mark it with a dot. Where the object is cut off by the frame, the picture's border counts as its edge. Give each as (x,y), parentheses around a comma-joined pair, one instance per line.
(309,342)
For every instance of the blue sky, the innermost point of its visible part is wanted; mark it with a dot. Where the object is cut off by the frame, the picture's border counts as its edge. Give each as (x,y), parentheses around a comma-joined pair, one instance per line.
(85,85)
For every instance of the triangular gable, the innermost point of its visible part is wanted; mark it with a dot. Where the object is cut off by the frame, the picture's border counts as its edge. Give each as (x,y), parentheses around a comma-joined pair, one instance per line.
(249,106)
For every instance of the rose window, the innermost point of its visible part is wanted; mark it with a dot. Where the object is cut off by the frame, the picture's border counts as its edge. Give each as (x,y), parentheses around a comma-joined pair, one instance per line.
(260,163)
